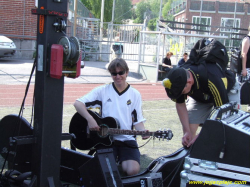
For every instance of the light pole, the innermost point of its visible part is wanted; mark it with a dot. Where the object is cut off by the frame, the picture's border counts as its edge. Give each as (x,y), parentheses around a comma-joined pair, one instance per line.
(101,29)
(160,10)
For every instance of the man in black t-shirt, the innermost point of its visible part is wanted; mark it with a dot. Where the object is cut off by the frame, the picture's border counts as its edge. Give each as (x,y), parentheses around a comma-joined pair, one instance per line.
(181,83)
(166,64)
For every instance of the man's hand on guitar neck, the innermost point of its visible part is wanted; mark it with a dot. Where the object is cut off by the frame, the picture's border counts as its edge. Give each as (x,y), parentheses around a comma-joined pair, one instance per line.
(140,127)
(144,137)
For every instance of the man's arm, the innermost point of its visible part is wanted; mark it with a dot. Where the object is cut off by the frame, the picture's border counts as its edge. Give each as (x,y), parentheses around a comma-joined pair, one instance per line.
(82,110)
(244,50)
(165,65)
(183,115)
(140,127)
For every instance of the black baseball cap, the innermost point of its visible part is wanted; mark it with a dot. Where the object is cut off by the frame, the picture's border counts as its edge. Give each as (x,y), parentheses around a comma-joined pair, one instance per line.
(175,82)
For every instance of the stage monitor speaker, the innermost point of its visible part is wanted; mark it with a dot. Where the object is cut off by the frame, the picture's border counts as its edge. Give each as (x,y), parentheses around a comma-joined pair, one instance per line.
(70,162)
(225,141)
(101,170)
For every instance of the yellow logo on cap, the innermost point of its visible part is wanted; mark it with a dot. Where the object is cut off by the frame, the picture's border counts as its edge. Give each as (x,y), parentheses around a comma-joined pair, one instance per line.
(167,83)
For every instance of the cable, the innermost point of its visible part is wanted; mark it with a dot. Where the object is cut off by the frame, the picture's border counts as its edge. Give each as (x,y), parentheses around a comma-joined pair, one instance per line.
(222,153)
(73,49)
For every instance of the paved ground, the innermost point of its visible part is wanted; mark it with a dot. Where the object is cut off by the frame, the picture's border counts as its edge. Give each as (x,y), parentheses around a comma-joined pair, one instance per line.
(15,71)
(15,74)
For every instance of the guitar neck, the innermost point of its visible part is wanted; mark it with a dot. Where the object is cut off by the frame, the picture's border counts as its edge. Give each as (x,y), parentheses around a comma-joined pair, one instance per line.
(129,132)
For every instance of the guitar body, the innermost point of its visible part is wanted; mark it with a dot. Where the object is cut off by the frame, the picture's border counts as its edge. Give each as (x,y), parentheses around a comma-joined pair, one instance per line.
(85,139)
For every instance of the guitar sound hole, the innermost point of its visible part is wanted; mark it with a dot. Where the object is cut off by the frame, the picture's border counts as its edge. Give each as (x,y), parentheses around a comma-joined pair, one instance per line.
(104,131)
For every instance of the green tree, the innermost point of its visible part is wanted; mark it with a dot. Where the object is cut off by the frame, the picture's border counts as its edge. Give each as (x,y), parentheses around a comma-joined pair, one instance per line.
(121,6)
(123,10)
(166,9)
(152,24)
(95,7)
(141,9)
(155,8)
(87,4)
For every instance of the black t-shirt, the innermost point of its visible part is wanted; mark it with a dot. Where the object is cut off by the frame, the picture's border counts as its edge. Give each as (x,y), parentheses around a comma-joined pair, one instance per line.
(167,61)
(217,84)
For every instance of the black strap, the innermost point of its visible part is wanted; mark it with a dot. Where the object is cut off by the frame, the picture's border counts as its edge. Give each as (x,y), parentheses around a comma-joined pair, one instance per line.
(203,77)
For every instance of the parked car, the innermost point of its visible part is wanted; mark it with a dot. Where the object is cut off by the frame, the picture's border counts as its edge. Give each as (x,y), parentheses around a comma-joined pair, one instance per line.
(7,46)
(82,64)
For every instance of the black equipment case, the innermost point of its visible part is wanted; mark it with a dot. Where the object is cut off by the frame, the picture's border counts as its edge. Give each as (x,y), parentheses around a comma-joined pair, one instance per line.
(221,154)
(162,172)
(198,172)
(245,93)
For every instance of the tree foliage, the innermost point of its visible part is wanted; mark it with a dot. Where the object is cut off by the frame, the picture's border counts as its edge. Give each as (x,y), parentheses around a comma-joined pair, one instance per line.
(141,10)
(152,24)
(122,8)
(166,9)
(155,7)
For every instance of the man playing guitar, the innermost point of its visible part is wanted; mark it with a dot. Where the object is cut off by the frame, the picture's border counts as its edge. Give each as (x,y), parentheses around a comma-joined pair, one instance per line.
(122,102)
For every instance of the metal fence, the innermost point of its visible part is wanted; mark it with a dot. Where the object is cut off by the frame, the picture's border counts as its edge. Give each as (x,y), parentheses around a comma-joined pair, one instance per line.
(127,36)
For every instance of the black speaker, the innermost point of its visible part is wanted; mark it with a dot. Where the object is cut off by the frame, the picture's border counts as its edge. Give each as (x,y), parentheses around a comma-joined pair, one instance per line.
(245,92)
(101,170)
(224,141)
(18,156)
(70,162)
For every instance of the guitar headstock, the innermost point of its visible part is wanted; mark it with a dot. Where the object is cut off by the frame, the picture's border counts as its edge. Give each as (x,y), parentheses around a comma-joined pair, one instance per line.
(164,134)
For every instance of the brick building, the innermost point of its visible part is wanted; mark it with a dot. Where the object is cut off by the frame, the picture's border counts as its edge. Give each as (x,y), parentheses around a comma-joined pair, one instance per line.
(221,17)
(20,25)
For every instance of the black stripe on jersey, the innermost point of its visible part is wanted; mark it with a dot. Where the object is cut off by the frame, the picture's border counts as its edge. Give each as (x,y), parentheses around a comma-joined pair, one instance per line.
(134,114)
(93,103)
(120,93)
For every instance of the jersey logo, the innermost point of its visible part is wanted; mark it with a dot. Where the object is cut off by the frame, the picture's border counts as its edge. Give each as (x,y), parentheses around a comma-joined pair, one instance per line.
(129,102)
(109,100)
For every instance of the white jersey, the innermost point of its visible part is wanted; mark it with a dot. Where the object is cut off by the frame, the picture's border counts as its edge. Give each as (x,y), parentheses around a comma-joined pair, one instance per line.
(124,106)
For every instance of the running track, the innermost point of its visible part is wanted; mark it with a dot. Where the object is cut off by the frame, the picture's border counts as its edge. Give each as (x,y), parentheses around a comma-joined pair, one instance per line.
(12,95)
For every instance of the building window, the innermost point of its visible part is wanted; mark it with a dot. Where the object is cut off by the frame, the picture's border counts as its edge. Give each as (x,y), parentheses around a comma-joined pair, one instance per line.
(230,7)
(206,5)
(229,24)
(204,21)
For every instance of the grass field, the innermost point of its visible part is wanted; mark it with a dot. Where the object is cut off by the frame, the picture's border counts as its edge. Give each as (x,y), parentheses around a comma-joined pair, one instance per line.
(160,114)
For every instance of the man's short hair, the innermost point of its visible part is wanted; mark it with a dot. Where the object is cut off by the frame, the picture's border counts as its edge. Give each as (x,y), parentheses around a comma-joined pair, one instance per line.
(185,54)
(118,63)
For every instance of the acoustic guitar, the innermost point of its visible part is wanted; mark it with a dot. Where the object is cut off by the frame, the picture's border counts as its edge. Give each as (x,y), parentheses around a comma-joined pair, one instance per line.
(86,139)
